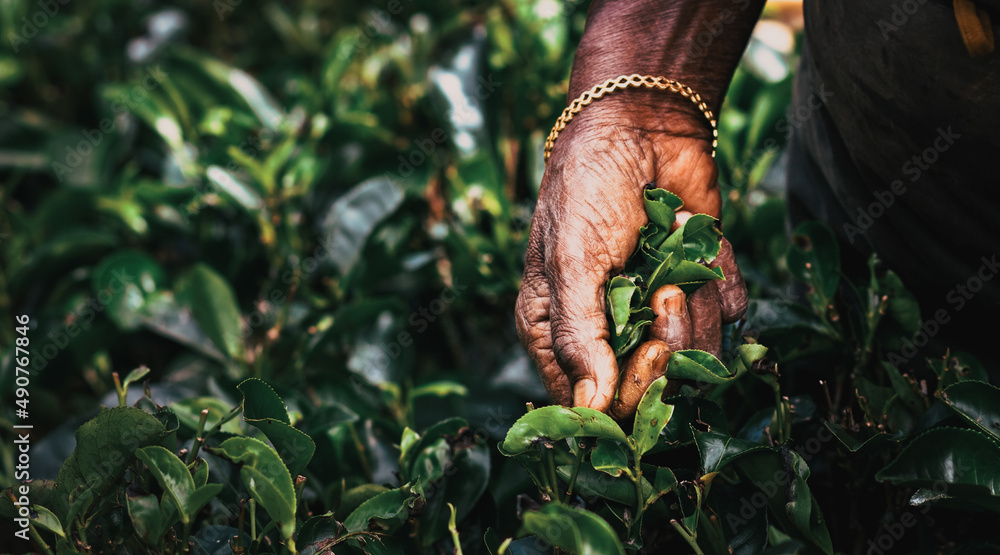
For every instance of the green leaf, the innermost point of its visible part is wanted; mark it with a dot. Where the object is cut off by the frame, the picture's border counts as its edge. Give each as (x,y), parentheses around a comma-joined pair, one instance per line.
(441,388)
(266,478)
(609,457)
(213,304)
(660,275)
(782,475)
(906,389)
(688,273)
(177,482)
(651,416)
(431,436)
(463,480)
(965,460)
(621,292)
(129,280)
(690,413)
(151,517)
(354,497)
(592,485)
(976,402)
(385,512)
(814,258)
(294,446)
(699,366)
(317,533)
(134,376)
(234,189)
(664,482)
(903,306)
(188,412)
(261,402)
(701,238)
(874,444)
(47,520)
(719,449)
(553,423)
(661,206)
(577,531)
(631,336)
(354,216)
(106,445)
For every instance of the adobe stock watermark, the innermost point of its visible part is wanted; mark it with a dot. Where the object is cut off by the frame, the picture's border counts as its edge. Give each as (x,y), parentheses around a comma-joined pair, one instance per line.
(750,506)
(92,138)
(957,297)
(378,22)
(30,25)
(713,29)
(796,115)
(914,168)
(900,16)
(224,7)
(80,320)
(892,532)
(377,362)
(253,145)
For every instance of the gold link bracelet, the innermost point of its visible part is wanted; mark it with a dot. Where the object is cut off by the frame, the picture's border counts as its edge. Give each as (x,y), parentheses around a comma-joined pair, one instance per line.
(624,82)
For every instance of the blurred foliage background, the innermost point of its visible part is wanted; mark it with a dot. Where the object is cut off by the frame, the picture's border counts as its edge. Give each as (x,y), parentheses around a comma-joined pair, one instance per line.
(333,197)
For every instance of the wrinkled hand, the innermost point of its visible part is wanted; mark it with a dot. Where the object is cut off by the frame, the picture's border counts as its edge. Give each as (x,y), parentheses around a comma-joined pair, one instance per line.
(586,223)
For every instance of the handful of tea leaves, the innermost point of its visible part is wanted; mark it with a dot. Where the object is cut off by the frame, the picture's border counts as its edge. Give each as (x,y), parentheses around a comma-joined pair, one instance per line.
(662,258)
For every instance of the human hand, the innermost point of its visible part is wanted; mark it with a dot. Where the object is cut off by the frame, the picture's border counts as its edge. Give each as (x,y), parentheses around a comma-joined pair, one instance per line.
(585,227)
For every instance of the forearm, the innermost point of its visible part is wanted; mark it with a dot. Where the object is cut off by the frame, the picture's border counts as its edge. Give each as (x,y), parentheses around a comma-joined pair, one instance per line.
(696,42)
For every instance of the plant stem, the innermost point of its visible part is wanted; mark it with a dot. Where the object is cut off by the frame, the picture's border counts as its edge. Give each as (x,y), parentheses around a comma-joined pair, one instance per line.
(576,469)
(199,438)
(218,426)
(119,389)
(688,537)
(253,519)
(640,504)
(550,463)
(38,539)
(361,450)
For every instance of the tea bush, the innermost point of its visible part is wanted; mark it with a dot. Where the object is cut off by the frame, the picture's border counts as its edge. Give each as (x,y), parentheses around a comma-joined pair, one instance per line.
(281,242)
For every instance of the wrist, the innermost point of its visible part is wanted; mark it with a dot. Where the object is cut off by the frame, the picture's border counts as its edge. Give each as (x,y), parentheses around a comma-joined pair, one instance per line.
(668,39)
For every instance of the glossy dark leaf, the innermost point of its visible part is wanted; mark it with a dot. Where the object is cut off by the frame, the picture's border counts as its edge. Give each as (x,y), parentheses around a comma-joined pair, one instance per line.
(214,306)
(976,402)
(698,366)
(873,444)
(151,517)
(592,485)
(575,530)
(352,218)
(386,512)
(554,422)
(127,281)
(960,458)
(690,413)
(265,477)
(718,449)
(609,457)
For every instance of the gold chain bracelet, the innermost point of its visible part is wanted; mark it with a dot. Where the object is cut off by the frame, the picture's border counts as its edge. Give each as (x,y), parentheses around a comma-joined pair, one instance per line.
(624,82)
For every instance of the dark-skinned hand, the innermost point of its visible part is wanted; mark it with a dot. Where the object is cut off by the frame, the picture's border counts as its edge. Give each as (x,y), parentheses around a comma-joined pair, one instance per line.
(586,225)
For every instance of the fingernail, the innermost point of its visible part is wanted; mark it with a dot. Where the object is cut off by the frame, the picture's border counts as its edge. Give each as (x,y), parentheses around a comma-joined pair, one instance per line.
(676,305)
(584,392)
